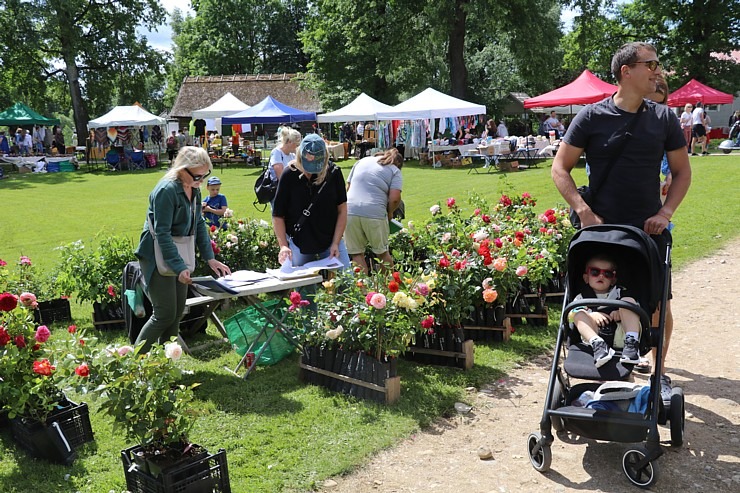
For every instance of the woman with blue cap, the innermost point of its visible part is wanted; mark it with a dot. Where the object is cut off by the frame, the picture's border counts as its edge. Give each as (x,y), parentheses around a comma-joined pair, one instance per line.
(310,209)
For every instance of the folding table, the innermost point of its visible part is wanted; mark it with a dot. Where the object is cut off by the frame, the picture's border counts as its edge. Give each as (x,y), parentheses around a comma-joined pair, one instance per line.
(250,293)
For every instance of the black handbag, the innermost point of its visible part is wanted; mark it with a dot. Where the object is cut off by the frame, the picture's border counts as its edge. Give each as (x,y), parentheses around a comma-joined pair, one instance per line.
(586,192)
(265,187)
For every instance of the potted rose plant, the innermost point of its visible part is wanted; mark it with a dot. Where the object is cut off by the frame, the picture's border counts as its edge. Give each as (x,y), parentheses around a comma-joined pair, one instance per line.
(44,421)
(52,306)
(94,276)
(359,325)
(142,392)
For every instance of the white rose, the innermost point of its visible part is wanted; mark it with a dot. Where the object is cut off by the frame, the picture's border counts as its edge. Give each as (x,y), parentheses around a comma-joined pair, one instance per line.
(435,209)
(173,351)
(228,213)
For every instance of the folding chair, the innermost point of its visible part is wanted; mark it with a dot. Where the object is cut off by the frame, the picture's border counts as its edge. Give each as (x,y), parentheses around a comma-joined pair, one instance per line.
(113,159)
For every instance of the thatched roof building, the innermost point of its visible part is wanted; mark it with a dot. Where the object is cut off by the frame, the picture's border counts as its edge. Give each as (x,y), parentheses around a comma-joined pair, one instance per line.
(200,91)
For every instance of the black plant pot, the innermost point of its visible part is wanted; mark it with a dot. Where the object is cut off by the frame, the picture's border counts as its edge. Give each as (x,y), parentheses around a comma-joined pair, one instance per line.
(52,311)
(108,316)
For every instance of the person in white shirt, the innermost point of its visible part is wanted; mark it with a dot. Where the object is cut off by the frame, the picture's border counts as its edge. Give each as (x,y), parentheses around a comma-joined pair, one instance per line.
(686,122)
(501,130)
(698,129)
(553,123)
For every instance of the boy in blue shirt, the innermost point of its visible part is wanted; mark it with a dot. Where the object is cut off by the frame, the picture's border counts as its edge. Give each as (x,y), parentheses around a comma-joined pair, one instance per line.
(214,206)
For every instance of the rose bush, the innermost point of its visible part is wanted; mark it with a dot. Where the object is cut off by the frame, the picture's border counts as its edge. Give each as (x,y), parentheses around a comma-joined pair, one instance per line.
(32,375)
(245,244)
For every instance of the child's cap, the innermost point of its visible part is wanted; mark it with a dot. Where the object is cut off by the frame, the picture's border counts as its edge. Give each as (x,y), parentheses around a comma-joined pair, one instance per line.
(214,180)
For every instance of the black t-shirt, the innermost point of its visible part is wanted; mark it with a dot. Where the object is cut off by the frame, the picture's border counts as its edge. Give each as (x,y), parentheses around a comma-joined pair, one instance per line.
(295,193)
(200,127)
(631,192)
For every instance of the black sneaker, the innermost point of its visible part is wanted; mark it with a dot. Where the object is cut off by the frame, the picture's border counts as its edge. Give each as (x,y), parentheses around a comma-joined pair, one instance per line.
(694,154)
(630,355)
(705,153)
(602,353)
(665,389)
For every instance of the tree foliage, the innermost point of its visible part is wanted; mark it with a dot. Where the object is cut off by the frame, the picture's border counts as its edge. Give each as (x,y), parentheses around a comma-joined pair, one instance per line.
(693,38)
(91,46)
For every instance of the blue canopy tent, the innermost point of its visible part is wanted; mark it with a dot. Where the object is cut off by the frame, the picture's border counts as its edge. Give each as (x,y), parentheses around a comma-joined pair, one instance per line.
(269,110)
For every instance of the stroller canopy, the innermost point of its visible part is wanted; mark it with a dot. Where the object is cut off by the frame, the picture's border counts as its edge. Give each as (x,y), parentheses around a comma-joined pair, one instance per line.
(639,265)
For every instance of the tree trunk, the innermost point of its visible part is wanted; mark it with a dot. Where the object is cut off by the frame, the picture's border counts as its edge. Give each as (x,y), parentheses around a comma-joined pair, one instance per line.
(456,50)
(67,44)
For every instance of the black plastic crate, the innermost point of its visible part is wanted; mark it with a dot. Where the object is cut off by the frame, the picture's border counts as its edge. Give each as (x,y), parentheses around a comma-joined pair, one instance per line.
(52,311)
(207,474)
(74,420)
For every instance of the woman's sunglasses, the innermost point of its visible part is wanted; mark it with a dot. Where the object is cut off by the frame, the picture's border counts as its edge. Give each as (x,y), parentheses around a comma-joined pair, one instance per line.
(197,177)
(650,64)
(596,272)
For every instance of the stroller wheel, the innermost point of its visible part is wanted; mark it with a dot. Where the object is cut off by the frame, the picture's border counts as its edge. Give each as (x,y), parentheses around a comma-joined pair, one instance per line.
(642,476)
(677,415)
(540,455)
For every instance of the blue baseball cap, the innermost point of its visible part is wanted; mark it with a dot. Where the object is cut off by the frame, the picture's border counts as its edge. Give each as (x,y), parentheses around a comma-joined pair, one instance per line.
(214,180)
(313,151)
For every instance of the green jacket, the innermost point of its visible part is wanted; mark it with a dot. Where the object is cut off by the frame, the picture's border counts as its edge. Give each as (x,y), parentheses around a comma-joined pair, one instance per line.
(172,215)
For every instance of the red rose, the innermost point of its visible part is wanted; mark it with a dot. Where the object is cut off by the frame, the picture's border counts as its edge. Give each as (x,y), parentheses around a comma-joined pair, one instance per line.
(295,297)
(213,228)
(4,336)
(20,341)
(83,370)
(476,212)
(8,302)
(72,329)
(36,347)
(552,219)
(393,287)
(486,218)
(397,277)
(43,367)
(111,291)
(428,322)
(451,202)
(443,262)
(498,242)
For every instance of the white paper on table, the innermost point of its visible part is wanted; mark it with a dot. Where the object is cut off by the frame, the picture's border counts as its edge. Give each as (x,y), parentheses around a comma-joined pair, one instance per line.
(245,276)
(287,271)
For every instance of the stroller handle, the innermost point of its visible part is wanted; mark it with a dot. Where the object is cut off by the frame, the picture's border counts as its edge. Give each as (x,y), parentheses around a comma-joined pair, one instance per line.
(644,318)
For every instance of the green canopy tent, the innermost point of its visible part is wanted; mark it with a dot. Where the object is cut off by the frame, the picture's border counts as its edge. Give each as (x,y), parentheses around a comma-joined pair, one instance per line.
(21,115)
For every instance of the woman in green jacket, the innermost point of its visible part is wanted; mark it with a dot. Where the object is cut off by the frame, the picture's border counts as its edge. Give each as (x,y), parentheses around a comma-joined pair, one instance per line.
(174,210)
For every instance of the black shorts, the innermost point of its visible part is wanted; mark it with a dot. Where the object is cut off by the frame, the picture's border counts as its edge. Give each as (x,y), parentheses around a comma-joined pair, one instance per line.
(698,130)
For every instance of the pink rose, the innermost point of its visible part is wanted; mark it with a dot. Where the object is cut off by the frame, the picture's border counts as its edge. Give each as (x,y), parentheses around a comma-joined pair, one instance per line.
(42,334)
(25,261)
(378,301)
(295,297)
(369,297)
(500,264)
(27,299)
(521,270)
(124,350)
(490,295)
(451,202)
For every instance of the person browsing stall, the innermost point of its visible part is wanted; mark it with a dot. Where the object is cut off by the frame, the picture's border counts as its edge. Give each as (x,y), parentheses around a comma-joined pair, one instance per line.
(310,209)
(631,194)
(215,205)
(174,211)
(373,193)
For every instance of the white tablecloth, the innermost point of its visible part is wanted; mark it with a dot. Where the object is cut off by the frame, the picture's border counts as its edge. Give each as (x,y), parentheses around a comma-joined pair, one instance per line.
(461,148)
(336,151)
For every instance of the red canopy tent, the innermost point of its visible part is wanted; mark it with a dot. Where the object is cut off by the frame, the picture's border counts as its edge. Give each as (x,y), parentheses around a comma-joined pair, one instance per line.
(695,91)
(587,88)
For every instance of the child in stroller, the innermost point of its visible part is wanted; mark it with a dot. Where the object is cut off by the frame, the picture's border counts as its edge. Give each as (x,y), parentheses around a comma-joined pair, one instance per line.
(601,327)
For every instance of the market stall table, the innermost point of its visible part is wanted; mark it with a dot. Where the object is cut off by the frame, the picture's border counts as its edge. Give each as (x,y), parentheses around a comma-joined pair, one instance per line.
(250,292)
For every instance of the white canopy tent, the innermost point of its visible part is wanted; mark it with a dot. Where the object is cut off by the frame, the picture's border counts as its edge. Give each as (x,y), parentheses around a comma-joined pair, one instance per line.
(126,116)
(227,105)
(430,104)
(363,108)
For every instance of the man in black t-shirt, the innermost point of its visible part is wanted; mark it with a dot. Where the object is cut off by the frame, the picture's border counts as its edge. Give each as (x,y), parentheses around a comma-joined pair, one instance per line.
(200,130)
(631,192)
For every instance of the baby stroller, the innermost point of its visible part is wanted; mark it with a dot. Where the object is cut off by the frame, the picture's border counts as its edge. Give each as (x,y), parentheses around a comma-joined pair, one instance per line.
(733,139)
(641,270)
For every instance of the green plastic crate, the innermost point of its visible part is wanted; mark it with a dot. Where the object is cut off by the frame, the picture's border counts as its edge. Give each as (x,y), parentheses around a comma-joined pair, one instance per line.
(245,326)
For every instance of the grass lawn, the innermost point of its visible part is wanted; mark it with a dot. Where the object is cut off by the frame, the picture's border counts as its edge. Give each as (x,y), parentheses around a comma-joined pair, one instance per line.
(281,435)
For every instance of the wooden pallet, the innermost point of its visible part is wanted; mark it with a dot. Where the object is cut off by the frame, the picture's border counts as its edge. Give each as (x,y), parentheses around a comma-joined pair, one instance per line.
(391,387)
(467,354)
(505,329)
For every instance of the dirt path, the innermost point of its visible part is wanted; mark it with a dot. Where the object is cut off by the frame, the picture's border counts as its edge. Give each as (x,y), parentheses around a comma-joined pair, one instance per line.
(703,359)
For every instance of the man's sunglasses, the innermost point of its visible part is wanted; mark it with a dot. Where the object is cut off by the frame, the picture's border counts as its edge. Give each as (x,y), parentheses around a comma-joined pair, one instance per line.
(197,177)
(650,64)
(596,272)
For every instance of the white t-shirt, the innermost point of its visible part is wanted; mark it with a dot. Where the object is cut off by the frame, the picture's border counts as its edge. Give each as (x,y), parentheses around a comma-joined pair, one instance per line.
(697,116)
(277,156)
(686,119)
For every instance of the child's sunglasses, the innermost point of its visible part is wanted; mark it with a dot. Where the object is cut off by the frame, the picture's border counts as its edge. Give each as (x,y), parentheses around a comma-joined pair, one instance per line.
(596,272)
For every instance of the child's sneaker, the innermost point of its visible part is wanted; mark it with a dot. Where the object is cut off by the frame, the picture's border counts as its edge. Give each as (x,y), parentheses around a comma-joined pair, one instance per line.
(630,355)
(602,352)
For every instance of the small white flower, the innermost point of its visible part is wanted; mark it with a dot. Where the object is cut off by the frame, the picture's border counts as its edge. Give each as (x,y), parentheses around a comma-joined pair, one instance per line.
(435,209)
(228,213)
(411,225)
(480,235)
(446,237)
(173,351)
(264,223)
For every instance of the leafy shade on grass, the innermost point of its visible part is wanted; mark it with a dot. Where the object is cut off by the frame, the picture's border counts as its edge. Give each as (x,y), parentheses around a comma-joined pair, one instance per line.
(58,208)
(280,434)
